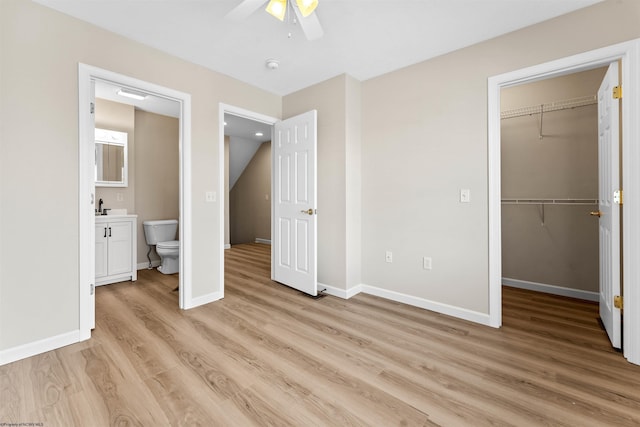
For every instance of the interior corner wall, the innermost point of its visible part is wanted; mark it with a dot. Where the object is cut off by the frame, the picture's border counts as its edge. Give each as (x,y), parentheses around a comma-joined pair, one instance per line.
(424,133)
(562,238)
(353,181)
(41,49)
(157,173)
(119,117)
(249,200)
(328,98)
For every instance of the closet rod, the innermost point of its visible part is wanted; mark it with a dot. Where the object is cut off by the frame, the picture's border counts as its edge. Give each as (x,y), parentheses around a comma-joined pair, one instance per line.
(551,106)
(549,201)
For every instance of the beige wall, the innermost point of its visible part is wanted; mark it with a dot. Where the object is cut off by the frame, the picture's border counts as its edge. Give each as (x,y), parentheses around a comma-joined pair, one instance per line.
(119,117)
(157,173)
(562,251)
(249,200)
(40,51)
(424,133)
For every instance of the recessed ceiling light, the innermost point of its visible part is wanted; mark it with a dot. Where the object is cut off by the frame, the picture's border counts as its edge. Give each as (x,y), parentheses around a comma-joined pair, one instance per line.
(225,123)
(259,134)
(131,94)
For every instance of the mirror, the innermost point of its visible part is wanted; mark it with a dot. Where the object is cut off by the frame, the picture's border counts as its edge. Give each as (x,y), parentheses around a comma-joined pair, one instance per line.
(110,158)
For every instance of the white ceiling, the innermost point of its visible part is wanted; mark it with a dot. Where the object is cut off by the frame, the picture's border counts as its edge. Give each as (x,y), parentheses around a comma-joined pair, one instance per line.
(246,128)
(362,38)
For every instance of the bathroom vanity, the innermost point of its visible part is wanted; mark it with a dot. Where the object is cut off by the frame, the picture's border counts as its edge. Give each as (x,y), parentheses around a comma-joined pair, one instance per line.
(116,249)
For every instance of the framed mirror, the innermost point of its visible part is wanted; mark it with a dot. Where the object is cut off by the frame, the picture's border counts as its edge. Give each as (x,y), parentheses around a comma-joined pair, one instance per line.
(111,158)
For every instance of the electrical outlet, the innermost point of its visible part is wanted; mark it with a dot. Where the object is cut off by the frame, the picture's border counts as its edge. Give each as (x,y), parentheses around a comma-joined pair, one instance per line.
(388,256)
(426,263)
(120,197)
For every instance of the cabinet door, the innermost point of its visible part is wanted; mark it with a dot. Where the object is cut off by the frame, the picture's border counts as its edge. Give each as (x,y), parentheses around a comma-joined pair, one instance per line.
(120,256)
(101,250)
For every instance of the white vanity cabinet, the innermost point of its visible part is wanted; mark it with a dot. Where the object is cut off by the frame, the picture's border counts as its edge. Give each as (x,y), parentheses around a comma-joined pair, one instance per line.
(115,249)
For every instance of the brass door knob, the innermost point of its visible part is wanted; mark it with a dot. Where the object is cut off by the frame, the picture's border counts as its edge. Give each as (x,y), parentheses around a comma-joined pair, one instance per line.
(595,213)
(308,212)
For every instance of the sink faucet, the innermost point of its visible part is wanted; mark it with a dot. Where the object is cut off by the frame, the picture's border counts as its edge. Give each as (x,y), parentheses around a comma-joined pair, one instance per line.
(100,202)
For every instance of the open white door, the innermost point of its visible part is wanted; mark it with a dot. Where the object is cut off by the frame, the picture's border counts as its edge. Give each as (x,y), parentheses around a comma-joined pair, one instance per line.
(294,202)
(92,187)
(609,209)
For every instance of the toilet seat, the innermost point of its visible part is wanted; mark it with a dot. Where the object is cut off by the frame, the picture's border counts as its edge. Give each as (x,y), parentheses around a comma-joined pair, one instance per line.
(171,244)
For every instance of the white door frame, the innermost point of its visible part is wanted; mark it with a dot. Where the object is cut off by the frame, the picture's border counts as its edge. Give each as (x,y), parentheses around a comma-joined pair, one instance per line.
(256,117)
(87,73)
(629,54)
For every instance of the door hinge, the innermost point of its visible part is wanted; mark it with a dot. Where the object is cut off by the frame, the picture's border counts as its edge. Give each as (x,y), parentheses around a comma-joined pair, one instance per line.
(617,92)
(617,197)
(92,108)
(91,289)
(618,302)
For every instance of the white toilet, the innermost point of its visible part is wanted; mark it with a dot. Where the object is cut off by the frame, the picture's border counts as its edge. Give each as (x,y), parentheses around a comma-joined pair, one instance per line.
(162,234)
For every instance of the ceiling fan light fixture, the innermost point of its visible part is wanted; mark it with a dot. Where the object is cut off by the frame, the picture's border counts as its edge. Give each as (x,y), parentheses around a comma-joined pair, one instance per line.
(307,6)
(277,8)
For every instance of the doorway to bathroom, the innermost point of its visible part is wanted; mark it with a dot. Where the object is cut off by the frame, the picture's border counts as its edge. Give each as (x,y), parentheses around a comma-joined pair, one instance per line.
(177,106)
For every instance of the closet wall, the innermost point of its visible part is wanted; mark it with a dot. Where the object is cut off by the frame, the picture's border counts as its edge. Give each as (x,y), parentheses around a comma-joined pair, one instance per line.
(249,200)
(544,242)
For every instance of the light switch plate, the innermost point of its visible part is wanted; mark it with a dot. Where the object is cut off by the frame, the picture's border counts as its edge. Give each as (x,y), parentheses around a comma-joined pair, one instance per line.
(210,196)
(465,195)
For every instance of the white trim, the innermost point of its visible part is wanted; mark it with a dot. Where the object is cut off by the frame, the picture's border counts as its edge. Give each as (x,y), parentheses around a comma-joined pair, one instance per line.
(551,289)
(87,73)
(629,53)
(38,347)
(340,293)
(247,114)
(449,310)
(227,246)
(204,299)
(263,241)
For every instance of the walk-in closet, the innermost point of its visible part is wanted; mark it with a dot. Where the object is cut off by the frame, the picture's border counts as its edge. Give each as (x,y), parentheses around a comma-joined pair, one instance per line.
(549,179)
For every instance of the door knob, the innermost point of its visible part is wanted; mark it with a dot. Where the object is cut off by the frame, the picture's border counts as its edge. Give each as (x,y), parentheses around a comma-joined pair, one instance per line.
(595,213)
(308,212)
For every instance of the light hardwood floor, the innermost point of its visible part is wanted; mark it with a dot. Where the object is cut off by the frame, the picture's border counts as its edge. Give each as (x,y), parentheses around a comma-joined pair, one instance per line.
(267,355)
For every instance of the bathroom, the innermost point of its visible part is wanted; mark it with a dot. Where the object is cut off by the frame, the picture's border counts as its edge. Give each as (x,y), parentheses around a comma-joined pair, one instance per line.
(151,190)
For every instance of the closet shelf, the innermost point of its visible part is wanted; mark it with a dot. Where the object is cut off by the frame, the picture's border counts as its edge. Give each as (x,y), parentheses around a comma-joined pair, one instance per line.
(551,106)
(549,201)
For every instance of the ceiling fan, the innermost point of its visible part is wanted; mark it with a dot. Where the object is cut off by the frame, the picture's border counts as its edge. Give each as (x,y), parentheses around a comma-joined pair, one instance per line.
(303,9)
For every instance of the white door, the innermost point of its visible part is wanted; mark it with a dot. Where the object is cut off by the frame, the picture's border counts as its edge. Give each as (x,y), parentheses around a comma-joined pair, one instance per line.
(294,220)
(609,182)
(91,131)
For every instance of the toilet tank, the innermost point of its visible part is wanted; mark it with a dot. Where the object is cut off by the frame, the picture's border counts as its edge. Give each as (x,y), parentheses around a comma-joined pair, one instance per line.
(160,231)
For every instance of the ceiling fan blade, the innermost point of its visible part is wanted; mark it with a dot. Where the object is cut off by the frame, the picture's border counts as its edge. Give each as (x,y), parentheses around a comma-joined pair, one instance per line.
(310,25)
(244,9)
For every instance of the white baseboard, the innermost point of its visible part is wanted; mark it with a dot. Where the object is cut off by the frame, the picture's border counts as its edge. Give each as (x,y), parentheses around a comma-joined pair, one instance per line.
(38,347)
(145,265)
(449,310)
(227,246)
(265,241)
(551,289)
(202,300)
(340,293)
